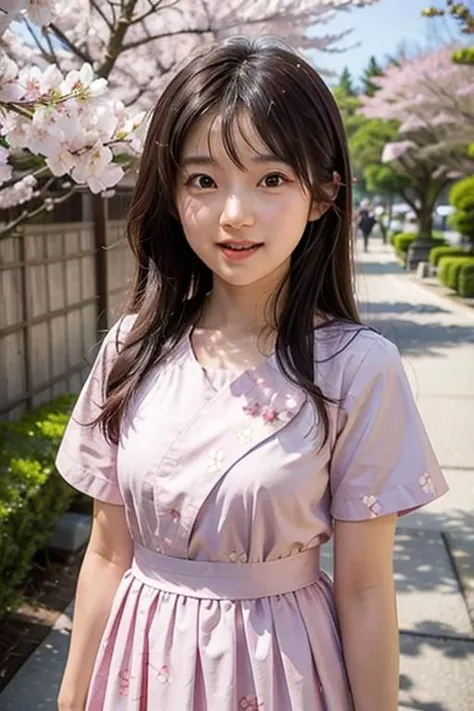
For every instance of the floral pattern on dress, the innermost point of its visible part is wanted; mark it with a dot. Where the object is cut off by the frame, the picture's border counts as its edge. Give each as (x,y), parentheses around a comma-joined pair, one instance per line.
(373,504)
(426,484)
(269,415)
(163,675)
(236,557)
(246,434)
(216,461)
(265,414)
(175,515)
(124,682)
(253,410)
(250,703)
(249,431)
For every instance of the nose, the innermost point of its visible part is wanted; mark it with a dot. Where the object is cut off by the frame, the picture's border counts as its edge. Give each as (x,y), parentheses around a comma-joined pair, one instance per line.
(237,212)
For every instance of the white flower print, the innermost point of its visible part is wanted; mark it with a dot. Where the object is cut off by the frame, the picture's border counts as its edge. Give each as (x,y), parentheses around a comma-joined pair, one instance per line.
(216,461)
(163,676)
(373,504)
(250,703)
(246,434)
(234,557)
(426,483)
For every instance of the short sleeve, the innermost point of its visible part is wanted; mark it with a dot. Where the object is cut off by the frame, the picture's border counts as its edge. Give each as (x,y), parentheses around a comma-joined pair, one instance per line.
(85,459)
(382,461)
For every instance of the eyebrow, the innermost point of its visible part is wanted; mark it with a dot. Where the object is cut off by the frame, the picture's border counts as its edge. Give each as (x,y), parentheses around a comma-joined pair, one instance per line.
(208,160)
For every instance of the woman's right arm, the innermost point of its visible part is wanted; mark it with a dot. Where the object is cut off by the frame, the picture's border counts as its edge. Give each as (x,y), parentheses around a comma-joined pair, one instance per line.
(108,556)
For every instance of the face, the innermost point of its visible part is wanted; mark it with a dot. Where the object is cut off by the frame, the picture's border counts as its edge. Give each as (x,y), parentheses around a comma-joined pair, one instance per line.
(242,223)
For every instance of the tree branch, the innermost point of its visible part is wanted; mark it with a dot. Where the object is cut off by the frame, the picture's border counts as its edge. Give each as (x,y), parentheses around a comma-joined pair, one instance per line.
(116,40)
(100,12)
(409,201)
(25,215)
(84,56)
(163,35)
(43,51)
(51,48)
(154,7)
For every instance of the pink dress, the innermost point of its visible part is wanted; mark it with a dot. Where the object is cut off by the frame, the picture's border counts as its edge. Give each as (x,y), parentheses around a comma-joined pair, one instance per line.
(228,498)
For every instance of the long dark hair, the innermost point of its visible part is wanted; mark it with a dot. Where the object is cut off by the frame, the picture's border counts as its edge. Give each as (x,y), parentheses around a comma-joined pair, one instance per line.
(296,116)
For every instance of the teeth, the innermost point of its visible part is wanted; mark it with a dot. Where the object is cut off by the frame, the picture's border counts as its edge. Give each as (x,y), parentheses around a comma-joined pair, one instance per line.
(239,249)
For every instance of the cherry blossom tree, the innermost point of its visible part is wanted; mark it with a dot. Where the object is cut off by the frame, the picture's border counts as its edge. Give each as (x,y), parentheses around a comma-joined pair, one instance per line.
(73,97)
(433,100)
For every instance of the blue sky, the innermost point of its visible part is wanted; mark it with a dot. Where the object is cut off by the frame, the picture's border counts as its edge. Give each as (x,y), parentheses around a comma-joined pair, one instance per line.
(381,29)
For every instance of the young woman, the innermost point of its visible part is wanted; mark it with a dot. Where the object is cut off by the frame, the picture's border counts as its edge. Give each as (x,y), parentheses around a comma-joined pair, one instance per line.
(237,416)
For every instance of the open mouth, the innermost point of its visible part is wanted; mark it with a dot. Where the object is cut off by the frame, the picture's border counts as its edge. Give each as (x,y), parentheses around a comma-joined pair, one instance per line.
(235,251)
(235,248)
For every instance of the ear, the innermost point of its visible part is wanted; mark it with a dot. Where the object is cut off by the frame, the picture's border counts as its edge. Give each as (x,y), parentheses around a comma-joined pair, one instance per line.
(319,208)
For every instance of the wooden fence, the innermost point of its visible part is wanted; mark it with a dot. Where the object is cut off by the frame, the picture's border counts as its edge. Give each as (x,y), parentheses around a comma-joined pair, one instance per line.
(61,286)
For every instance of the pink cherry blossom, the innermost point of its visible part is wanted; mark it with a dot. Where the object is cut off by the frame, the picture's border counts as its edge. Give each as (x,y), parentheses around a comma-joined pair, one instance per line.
(392,151)
(80,117)
(95,168)
(22,191)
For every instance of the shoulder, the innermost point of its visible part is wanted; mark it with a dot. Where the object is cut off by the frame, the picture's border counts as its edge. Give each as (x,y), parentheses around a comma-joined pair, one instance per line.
(348,354)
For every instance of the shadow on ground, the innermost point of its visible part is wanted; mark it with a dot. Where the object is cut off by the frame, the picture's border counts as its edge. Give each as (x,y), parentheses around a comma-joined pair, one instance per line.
(401,307)
(397,319)
(415,339)
(378,268)
(412,645)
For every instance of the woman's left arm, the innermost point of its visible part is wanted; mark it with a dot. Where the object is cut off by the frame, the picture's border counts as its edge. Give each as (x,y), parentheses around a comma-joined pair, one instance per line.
(366,606)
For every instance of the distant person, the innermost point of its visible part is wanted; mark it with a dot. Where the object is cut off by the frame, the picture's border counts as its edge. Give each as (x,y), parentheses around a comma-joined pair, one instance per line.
(366,221)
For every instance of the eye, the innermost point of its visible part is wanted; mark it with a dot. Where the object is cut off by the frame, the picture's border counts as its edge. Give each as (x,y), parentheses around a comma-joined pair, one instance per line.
(201,181)
(274,180)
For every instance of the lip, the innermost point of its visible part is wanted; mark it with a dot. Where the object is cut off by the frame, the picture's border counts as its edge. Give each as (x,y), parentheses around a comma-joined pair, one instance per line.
(246,251)
(239,243)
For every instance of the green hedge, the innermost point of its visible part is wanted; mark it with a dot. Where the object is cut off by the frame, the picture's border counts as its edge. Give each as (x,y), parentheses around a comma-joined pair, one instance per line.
(403,241)
(466,281)
(445,251)
(461,196)
(32,496)
(450,268)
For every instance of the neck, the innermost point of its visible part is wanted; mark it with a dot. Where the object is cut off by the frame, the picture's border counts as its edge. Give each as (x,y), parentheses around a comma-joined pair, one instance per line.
(241,309)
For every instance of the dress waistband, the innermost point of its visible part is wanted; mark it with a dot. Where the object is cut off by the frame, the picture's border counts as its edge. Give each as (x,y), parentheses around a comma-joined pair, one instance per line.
(225,581)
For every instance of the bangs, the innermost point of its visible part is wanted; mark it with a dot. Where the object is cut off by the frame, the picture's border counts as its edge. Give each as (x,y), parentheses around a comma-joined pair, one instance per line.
(288,106)
(231,117)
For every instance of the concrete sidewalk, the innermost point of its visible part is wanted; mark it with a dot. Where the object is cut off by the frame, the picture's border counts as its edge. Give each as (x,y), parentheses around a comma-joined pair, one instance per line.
(434,556)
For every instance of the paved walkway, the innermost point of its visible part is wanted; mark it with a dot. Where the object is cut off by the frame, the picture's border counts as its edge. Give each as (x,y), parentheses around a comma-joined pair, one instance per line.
(434,547)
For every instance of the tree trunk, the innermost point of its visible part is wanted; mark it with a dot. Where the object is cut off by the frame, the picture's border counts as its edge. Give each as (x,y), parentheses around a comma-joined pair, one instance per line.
(425,221)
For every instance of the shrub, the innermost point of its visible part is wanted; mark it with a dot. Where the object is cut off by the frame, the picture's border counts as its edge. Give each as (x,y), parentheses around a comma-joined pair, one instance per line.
(393,235)
(445,251)
(466,281)
(403,241)
(449,270)
(461,197)
(32,497)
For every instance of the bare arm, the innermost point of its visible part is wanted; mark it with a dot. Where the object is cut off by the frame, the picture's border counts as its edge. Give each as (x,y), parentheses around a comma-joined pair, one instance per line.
(366,606)
(107,557)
